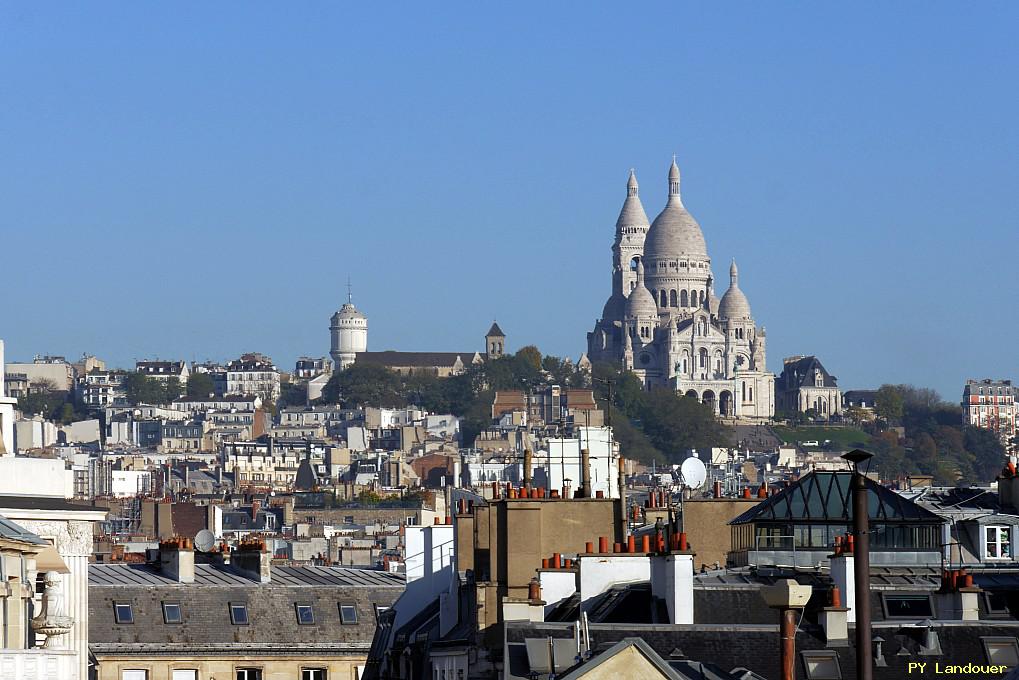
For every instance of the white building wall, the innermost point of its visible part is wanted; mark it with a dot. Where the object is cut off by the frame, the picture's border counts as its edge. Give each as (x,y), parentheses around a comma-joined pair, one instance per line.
(563,461)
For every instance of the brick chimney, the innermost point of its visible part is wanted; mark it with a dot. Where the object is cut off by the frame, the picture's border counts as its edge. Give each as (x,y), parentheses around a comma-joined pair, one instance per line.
(177,559)
(250,559)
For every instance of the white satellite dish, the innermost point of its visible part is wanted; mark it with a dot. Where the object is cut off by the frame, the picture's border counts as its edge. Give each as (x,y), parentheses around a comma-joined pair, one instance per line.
(694,473)
(205,540)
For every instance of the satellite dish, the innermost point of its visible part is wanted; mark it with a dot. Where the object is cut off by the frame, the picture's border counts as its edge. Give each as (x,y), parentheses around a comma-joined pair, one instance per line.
(694,473)
(205,540)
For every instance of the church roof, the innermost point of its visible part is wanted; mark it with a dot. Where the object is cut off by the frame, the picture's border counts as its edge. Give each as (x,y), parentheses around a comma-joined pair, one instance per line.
(495,331)
(674,233)
(734,304)
(632,213)
(641,302)
(414,359)
(614,307)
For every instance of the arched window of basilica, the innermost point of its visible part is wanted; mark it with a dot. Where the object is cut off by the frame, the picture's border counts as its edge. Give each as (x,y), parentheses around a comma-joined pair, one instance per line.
(703,358)
(684,301)
(664,299)
(702,297)
(672,298)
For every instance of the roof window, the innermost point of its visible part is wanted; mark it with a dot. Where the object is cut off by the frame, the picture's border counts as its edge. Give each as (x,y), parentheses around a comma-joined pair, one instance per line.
(821,665)
(171,612)
(238,613)
(348,613)
(305,614)
(912,606)
(122,612)
(1001,651)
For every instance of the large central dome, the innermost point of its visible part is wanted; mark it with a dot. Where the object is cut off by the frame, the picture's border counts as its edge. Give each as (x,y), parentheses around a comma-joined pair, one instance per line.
(674,234)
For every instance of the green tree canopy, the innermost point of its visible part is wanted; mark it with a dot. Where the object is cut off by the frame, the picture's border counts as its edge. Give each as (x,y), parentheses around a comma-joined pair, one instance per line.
(200,385)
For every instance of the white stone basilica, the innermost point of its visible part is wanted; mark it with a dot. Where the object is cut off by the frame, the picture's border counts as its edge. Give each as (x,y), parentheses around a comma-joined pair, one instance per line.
(663,321)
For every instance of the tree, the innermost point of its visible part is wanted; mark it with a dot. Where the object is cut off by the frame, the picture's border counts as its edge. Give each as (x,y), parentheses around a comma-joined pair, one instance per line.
(675,424)
(364,385)
(200,385)
(888,404)
(171,390)
(530,355)
(293,394)
(141,389)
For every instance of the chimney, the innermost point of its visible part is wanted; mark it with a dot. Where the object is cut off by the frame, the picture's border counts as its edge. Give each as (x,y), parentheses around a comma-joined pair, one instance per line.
(672,582)
(177,559)
(585,464)
(833,620)
(250,559)
(255,507)
(528,459)
(843,574)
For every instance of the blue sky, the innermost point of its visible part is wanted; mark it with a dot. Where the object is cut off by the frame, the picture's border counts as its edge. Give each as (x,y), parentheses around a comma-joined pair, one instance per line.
(196,180)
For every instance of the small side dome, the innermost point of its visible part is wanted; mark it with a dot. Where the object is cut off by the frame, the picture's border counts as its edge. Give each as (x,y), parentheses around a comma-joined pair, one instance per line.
(614,307)
(640,303)
(734,304)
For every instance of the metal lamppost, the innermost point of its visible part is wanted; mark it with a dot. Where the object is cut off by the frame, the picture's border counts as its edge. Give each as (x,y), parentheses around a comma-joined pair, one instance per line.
(861,551)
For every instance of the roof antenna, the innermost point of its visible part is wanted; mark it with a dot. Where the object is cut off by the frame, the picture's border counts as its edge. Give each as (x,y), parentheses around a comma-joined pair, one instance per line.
(349,294)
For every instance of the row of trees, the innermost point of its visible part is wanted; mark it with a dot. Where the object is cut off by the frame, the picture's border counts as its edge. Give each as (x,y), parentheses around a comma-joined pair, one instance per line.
(918,432)
(468,395)
(657,425)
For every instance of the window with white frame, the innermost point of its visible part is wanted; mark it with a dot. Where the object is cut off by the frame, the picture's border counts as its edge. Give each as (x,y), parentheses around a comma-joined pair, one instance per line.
(134,675)
(249,674)
(997,542)
(313,674)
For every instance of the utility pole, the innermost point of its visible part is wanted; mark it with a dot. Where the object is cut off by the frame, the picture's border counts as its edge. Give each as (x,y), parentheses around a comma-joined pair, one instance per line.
(861,550)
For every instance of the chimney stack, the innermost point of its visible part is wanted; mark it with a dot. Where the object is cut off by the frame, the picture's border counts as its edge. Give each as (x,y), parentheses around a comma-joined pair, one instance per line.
(250,559)
(585,464)
(177,559)
(528,460)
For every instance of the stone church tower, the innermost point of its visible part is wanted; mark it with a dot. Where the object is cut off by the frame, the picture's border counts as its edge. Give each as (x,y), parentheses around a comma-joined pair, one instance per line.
(663,321)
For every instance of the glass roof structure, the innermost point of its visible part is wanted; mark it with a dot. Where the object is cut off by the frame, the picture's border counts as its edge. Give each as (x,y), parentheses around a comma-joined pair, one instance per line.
(825,497)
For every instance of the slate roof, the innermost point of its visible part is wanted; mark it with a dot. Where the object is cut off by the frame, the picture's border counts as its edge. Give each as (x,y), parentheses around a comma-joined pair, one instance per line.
(206,625)
(825,497)
(495,330)
(120,574)
(735,647)
(15,532)
(796,374)
(45,503)
(422,359)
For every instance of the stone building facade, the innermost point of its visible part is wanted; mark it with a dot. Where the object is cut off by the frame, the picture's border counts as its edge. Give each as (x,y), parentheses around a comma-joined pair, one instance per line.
(663,321)
(805,384)
(991,405)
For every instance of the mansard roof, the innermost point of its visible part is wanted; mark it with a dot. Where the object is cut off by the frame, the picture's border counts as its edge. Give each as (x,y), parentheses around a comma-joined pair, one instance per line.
(800,373)
(825,497)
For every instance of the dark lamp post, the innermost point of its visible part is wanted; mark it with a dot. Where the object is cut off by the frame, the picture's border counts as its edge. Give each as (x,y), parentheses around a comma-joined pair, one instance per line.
(861,571)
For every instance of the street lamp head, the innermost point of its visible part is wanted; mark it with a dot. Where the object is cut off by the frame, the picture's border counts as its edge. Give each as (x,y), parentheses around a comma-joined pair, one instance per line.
(857,456)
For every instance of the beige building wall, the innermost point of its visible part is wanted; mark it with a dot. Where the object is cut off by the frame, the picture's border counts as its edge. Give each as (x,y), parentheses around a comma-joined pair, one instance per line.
(705,522)
(225,667)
